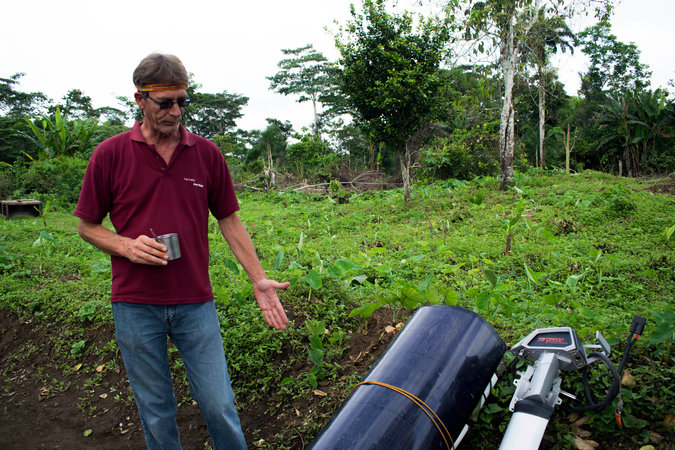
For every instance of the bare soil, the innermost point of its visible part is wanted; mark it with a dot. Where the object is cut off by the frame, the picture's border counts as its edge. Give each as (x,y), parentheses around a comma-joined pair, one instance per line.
(49,402)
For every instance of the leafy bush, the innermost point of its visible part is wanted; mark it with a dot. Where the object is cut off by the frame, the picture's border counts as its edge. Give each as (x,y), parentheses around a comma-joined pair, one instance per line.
(311,156)
(463,155)
(8,177)
(58,176)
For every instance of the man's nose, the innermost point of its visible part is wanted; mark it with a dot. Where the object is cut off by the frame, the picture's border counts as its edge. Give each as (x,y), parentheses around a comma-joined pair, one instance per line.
(175,110)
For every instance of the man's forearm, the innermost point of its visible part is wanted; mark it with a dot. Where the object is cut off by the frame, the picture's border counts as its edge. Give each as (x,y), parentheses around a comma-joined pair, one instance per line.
(102,238)
(142,250)
(240,243)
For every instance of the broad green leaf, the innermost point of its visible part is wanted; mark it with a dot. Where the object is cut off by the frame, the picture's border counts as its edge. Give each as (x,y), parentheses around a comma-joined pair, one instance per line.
(452,269)
(669,232)
(315,341)
(232,266)
(483,300)
(491,277)
(450,296)
(551,299)
(383,269)
(295,266)
(335,271)
(313,278)
(317,261)
(432,297)
(634,422)
(412,295)
(347,265)
(361,279)
(555,284)
(365,311)
(424,285)
(312,380)
(316,327)
(278,260)
(546,234)
(664,331)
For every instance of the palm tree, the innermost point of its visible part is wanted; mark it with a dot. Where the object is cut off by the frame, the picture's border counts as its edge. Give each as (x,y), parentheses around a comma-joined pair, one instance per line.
(547,35)
(638,121)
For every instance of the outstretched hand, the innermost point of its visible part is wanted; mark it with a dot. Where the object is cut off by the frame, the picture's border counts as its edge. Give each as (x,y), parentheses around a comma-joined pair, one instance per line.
(266,294)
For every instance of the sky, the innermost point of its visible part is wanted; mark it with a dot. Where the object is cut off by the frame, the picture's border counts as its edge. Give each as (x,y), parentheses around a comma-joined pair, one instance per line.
(232,46)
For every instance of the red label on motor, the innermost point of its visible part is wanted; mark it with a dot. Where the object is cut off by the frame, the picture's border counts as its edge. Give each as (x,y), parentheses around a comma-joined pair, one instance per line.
(560,339)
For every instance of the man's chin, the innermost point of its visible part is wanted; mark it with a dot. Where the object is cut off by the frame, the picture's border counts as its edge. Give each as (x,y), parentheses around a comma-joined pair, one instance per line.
(168,129)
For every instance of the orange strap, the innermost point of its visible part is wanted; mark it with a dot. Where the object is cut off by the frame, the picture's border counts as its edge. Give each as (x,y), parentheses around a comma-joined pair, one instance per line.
(445,434)
(160,87)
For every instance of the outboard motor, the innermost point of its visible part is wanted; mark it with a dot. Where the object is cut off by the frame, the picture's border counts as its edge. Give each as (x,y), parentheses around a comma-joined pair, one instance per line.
(424,388)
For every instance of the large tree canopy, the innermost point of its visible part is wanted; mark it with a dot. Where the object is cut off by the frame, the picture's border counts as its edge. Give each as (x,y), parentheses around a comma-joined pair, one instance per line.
(16,104)
(614,65)
(213,114)
(391,73)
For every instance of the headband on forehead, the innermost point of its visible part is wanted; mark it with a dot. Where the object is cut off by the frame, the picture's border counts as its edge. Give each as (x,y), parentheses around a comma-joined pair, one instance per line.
(160,87)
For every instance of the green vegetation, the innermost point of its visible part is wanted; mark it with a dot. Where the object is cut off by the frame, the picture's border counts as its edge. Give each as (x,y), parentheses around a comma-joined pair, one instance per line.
(587,251)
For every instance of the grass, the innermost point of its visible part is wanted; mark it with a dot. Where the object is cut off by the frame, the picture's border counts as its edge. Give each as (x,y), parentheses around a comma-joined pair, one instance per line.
(587,251)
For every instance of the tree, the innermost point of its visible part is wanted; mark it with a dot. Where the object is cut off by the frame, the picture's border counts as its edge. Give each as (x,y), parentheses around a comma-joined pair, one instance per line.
(15,140)
(391,75)
(270,145)
(623,120)
(547,35)
(639,122)
(614,65)
(16,104)
(212,114)
(472,97)
(310,154)
(306,73)
(76,105)
(506,23)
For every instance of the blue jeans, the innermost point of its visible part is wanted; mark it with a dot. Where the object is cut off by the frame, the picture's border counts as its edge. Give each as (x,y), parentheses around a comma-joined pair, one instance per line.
(194,329)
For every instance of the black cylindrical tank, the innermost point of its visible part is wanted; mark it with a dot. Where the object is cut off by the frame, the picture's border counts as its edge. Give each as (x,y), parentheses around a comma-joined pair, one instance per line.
(445,356)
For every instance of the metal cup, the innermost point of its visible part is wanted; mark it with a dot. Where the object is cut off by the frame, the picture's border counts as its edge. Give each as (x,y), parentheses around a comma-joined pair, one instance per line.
(171,242)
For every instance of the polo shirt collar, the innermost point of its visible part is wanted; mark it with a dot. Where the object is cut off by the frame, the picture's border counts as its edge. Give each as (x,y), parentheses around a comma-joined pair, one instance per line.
(187,139)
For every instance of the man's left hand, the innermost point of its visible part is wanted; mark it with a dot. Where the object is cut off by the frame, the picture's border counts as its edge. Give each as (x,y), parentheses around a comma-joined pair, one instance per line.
(266,295)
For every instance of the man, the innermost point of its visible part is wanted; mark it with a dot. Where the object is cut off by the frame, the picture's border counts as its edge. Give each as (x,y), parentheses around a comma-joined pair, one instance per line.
(159,178)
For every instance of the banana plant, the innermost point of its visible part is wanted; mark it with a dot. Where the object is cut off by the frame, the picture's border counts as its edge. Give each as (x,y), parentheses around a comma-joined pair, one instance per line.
(61,137)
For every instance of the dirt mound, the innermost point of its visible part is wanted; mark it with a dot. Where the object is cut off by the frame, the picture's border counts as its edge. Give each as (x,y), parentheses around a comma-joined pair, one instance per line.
(86,403)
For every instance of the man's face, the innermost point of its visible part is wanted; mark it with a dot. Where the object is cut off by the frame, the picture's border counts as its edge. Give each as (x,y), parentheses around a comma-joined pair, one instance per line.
(162,121)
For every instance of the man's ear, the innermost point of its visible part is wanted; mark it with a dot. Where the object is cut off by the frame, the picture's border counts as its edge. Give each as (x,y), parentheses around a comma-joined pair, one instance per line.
(139,99)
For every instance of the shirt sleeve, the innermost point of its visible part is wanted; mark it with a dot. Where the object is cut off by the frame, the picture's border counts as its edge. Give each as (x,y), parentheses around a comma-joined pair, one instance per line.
(95,198)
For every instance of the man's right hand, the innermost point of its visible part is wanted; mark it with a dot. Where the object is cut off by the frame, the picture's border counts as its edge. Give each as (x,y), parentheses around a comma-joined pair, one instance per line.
(146,250)
(142,250)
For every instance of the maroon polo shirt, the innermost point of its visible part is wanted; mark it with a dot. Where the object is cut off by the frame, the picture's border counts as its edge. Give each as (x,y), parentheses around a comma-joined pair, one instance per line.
(127,179)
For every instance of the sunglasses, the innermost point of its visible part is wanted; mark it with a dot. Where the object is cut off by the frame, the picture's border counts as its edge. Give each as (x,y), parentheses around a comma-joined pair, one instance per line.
(168,104)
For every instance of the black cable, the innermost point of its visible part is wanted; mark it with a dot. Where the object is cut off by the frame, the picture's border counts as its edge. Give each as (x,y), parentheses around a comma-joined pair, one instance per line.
(636,329)
(613,390)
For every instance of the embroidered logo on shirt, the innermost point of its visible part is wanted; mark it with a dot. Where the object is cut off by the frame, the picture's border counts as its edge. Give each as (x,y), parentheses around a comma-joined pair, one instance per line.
(194,182)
